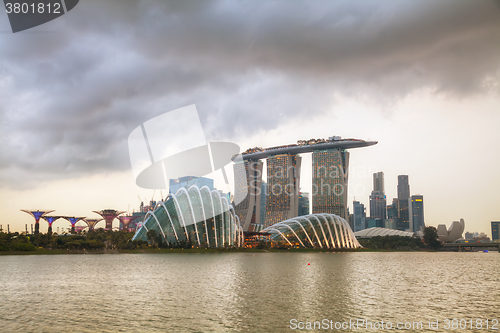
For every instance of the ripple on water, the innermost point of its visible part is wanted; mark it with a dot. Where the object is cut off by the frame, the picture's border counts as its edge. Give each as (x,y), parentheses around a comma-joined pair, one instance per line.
(241,292)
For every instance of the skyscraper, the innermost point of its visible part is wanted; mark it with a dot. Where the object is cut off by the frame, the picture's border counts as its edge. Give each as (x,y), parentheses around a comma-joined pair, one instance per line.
(417,213)
(247,188)
(359,216)
(392,215)
(495,231)
(403,187)
(404,203)
(329,181)
(377,198)
(303,204)
(378,182)
(283,180)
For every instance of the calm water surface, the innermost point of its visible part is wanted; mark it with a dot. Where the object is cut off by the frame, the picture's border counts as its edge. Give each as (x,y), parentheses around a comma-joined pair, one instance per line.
(243,292)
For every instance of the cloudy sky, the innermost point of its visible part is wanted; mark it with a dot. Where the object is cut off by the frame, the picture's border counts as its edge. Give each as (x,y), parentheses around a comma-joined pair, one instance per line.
(420,77)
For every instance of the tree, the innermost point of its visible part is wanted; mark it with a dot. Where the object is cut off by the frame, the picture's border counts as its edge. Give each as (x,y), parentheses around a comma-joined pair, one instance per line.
(431,238)
(152,236)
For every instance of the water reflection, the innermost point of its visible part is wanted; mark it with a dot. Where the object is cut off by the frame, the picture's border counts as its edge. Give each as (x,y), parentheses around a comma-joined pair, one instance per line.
(242,292)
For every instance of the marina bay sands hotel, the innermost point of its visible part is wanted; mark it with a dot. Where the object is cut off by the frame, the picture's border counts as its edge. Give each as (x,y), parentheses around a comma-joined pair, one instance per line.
(330,163)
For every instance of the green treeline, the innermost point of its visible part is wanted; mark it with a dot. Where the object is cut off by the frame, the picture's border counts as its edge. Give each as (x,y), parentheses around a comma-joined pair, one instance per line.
(93,240)
(391,243)
(122,240)
(429,241)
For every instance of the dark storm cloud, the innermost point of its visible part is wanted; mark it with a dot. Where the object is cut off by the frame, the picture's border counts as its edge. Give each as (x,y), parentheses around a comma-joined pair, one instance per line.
(70,98)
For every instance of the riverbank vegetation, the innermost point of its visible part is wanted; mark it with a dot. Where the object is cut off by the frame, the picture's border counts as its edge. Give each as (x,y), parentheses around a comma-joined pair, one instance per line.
(107,241)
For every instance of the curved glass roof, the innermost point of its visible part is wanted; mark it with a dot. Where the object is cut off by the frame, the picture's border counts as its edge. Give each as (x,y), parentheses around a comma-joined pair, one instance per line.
(376,231)
(328,231)
(198,216)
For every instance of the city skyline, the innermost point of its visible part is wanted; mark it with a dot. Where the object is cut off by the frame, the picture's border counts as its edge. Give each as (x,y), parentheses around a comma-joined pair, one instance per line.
(417,77)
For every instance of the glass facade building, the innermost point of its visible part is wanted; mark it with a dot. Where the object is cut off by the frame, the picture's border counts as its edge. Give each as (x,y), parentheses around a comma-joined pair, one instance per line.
(329,182)
(359,216)
(314,231)
(403,187)
(197,216)
(304,204)
(404,203)
(495,231)
(378,203)
(403,215)
(417,213)
(283,180)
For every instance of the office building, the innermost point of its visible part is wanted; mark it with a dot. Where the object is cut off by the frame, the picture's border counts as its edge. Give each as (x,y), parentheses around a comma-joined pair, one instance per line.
(390,223)
(403,187)
(303,204)
(417,213)
(329,182)
(495,231)
(378,204)
(376,223)
(403,203)
(392,210)
(359,216)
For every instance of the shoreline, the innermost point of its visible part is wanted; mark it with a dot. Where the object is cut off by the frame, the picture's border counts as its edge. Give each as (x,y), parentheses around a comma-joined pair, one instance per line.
(166,251)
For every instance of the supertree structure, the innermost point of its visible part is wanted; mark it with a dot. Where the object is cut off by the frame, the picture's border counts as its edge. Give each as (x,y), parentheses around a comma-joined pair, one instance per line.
(91,223)
(73,220)
(126,220)
(109,215)
(50,220)
(37,214)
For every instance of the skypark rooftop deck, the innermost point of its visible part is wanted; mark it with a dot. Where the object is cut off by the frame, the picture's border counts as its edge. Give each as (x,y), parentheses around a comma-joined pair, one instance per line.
(260,153)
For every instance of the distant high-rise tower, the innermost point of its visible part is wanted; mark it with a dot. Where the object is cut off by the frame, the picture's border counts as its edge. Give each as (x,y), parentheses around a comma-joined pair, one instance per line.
(329,182)
(495,231)
(392,215)
(417,213)
(303,204)
(283,180)
(248,179)
(359,216)
(378,204)
(378,182)
(403,203)
(403,187)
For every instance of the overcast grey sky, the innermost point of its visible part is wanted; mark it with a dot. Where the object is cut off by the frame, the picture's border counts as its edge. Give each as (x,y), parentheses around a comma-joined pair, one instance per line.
(421,77)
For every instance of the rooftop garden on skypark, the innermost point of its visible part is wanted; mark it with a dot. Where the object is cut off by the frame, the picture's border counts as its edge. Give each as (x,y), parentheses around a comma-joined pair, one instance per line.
(299,143)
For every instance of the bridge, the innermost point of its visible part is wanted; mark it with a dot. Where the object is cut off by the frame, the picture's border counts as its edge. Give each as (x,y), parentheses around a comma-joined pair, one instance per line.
(469,246)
